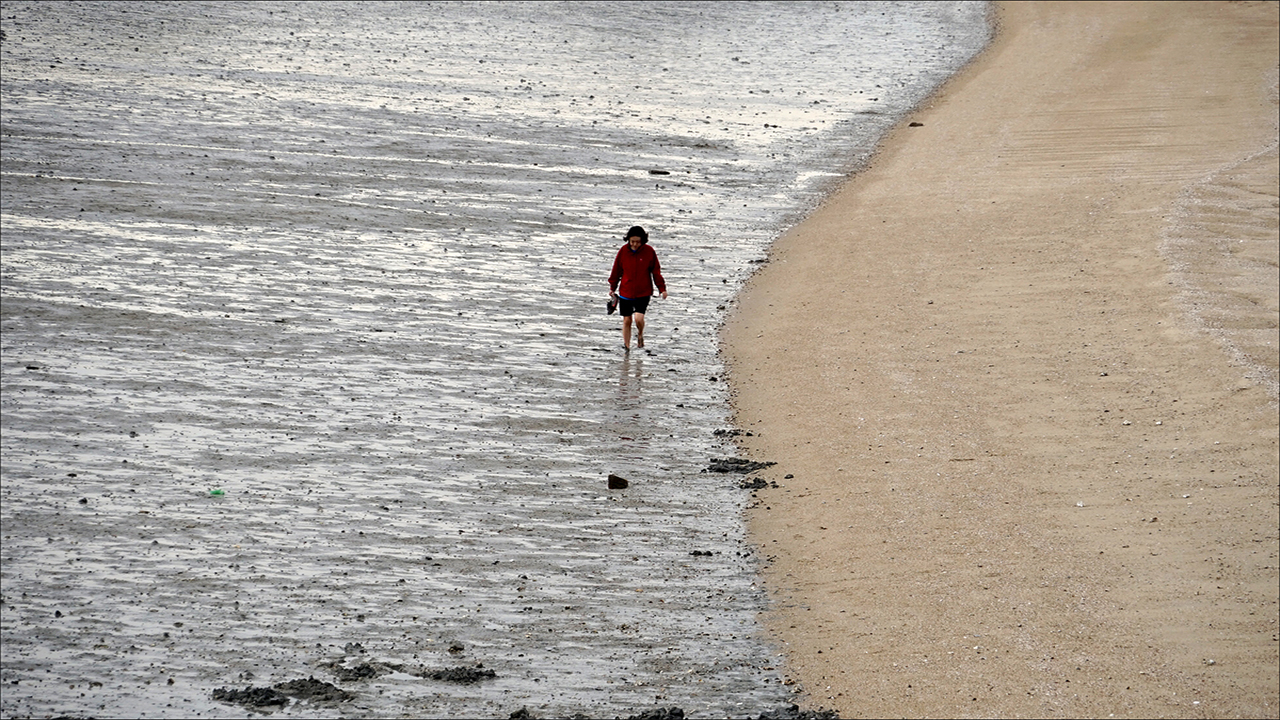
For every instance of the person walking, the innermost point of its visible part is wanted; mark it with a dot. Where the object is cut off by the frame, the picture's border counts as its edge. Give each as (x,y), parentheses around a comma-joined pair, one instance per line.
(635,272)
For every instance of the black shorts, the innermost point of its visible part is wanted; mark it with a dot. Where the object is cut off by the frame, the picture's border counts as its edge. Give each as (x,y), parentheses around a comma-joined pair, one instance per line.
(637,305)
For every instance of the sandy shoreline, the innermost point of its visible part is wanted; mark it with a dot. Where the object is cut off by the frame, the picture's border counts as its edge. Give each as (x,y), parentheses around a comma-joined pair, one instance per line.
(1031,419)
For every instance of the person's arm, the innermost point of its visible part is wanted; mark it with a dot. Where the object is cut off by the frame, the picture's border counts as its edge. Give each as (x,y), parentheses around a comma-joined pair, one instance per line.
(658,280)
(615,275)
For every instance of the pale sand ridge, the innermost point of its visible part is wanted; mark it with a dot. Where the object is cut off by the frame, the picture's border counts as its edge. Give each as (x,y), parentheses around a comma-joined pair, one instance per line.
(1025,404)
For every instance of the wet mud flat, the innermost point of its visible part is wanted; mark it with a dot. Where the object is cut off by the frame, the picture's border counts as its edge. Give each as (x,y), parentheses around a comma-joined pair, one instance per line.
(263,699)
(270,585)
(377,648)
(304,346)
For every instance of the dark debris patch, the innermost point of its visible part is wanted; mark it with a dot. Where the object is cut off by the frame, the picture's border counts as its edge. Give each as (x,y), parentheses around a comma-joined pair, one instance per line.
(251,696)
(313,689)
(792,712)
(671,713)
(736,465)
(463,674)
(524,714)
(279,694)
(362,671)
(661,714)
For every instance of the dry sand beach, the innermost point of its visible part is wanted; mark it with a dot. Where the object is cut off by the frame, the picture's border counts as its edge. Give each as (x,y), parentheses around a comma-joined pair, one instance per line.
(1019,377)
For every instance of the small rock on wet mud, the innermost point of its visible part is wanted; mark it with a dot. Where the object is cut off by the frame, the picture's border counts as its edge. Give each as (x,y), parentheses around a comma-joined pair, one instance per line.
(793,712)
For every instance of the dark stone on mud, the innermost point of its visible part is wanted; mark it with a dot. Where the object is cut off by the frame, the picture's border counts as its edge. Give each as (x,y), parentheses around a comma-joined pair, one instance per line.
(355,648)
(756,484)
(736,465)
(313,689)
(617,483)
(251,696)
(524,714)
(793,712)
(363,671)
(279,694)
(673,713)
(464,675)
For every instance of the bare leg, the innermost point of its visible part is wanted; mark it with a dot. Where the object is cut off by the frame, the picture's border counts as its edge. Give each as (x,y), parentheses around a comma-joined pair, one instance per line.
(639,329)
(626,331)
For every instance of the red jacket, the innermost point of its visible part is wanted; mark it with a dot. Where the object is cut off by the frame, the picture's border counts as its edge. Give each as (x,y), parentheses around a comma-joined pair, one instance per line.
(634,269)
